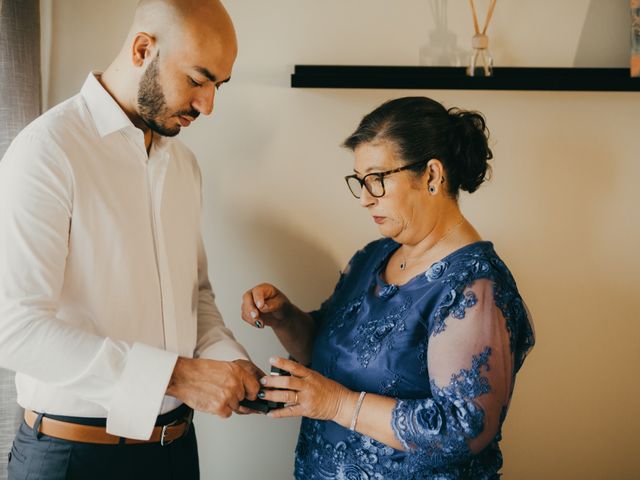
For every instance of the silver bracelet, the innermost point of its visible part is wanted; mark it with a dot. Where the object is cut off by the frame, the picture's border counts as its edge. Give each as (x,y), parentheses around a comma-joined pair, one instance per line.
(354,419)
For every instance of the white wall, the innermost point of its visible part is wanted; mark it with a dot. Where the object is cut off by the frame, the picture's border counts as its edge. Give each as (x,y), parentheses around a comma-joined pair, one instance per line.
(561,208)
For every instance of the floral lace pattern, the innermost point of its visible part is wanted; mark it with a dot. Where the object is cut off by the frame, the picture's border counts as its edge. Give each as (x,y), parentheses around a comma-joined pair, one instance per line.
(439,427)
(372,335)
(357,457)
(475,265)
(389,386)
(365,320)
(344,313)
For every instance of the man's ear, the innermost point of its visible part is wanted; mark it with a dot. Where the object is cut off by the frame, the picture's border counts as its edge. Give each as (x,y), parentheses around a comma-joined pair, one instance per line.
(142,48)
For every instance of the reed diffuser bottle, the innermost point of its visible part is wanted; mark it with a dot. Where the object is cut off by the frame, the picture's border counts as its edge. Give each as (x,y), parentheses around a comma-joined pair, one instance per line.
(481,61)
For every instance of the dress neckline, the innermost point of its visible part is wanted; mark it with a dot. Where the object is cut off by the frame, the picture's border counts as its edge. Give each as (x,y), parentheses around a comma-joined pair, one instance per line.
(384,286)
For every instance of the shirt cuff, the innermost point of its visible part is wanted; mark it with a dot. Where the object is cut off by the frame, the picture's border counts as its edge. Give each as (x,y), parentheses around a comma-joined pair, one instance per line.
(225,350)
(139,392)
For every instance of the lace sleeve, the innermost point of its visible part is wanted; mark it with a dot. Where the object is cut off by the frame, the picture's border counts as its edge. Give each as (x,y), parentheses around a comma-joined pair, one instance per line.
(470,367)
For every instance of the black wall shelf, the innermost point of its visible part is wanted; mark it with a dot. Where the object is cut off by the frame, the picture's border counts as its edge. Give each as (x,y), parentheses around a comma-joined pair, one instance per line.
(454,78)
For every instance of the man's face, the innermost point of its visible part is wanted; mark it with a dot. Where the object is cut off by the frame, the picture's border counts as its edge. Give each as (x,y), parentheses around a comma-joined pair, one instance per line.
(179,85)
(152,104)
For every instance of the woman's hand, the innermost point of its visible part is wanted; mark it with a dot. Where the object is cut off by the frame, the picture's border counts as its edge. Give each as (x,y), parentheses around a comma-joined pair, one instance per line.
(306,393)
(265,305)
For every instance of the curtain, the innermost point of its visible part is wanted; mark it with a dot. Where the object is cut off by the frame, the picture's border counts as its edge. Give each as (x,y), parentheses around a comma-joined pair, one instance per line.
(20,88)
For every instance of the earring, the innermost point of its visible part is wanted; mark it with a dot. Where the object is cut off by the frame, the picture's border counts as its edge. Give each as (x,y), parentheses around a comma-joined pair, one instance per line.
(432,189)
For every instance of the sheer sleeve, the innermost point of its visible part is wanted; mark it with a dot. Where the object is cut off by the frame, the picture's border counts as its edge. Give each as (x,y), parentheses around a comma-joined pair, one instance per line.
(470,366)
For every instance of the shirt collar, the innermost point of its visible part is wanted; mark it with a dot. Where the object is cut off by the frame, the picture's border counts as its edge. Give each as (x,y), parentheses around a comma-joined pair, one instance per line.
(105,111)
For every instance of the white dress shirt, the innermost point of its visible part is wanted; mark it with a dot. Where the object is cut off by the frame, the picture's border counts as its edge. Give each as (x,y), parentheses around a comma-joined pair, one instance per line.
(103,275)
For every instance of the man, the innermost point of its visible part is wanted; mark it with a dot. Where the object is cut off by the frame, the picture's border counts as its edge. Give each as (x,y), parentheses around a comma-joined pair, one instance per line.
(106,311)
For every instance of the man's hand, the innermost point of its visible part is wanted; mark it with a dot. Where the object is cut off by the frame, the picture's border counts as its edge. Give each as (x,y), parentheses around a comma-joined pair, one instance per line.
(251,368)
(212,386)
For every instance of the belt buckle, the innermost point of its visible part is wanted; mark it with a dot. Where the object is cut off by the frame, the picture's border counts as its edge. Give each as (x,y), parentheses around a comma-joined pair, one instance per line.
(177,421)
(164,431)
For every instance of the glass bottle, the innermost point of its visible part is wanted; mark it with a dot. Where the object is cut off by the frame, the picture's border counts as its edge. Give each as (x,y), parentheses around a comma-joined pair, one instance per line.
(481,61)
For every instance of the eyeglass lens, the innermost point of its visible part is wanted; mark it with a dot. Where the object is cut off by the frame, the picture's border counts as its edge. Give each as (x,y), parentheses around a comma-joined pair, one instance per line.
(373,184)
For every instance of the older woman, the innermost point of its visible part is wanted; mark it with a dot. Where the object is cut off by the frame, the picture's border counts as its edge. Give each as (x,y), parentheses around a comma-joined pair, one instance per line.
(412,360)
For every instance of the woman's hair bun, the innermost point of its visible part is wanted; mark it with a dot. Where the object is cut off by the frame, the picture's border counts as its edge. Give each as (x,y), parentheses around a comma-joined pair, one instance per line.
(469,146)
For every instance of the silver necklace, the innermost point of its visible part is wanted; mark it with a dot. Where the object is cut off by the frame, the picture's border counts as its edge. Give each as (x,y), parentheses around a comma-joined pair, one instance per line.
(403,264)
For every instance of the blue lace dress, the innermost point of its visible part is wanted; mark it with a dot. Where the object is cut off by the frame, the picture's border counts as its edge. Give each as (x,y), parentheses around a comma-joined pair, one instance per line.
(447,345)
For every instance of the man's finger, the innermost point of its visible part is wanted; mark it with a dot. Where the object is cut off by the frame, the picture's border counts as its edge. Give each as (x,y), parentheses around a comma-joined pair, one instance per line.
(250,367)
(253,370)
(251,392)
(251,386)
(225,412)
(233,404)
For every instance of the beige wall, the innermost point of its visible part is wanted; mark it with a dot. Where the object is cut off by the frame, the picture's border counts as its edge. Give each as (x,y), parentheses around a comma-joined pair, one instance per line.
(561,208)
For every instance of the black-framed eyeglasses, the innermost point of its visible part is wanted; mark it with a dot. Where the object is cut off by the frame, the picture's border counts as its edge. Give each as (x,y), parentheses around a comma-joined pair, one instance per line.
(374,182)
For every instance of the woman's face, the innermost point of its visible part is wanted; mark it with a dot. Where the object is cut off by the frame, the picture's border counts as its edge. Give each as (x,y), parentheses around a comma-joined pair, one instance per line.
(403,212)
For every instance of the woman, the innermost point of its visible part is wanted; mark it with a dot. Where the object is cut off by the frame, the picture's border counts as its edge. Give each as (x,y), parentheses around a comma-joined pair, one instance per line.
(412,360)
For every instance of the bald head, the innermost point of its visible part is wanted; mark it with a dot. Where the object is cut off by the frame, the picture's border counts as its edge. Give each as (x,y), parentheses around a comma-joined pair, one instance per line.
(176,56)
(172,22)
